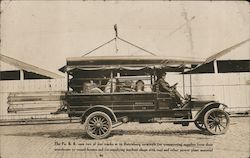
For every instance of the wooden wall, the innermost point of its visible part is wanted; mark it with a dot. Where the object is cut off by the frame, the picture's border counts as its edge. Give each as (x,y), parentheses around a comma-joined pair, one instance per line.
(232,89)
(38,85)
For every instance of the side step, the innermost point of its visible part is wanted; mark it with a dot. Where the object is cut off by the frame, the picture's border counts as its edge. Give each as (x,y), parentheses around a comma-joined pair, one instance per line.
(121,120)
(117,124)
(171,120)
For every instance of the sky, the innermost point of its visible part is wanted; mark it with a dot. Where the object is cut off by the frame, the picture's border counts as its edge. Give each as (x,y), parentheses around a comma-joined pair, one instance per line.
(45,33)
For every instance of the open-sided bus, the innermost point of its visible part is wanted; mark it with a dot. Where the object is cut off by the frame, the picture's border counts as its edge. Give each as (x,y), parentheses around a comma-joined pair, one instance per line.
(103,92)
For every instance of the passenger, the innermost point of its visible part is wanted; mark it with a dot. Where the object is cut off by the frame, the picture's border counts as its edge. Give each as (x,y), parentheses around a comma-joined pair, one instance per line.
(91,87)
(139,86)
(126,86)
(96,90)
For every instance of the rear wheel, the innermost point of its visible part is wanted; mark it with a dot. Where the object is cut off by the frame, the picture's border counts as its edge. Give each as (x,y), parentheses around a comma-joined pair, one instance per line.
(216,121)
(98,125)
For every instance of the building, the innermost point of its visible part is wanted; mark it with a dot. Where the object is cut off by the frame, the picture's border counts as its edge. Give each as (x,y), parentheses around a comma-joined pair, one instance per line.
(12,69)
(23,79)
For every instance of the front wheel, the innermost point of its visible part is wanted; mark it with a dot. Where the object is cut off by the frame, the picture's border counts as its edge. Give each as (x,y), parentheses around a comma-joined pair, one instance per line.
(98,125)
(216,121)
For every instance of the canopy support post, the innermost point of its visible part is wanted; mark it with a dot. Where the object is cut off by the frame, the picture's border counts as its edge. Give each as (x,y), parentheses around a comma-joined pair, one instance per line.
(111,78)
(183,83)
(190,78)
(67,81)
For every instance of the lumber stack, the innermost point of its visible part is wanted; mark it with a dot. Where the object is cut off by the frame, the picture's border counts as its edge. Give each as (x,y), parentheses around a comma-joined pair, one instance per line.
(35,102)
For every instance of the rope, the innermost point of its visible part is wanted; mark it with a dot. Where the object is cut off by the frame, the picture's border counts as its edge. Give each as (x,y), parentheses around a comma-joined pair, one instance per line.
(98,47)
(117,48)
(136,46)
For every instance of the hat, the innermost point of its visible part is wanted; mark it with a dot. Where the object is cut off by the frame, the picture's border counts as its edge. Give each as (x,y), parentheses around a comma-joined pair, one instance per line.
(161,73)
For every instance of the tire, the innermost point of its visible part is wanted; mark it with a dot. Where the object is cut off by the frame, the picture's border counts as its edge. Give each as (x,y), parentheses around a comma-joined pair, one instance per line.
(200,125)
(216,121)
(98,125)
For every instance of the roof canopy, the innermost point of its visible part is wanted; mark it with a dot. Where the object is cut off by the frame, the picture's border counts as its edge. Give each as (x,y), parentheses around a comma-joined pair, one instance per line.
(126,63)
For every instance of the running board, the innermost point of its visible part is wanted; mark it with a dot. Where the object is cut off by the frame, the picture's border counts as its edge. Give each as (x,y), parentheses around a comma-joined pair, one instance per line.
(174,120)
(117,124)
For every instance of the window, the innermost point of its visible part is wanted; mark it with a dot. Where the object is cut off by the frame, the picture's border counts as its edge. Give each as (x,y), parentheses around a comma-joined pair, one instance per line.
(10,75)
(225,66)
(206,68)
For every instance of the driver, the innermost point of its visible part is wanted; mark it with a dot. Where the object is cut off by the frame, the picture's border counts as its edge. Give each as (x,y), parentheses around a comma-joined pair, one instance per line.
(165,87)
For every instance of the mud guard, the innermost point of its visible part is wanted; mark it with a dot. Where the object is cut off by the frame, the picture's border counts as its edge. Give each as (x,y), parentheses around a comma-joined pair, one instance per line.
(101,108)
(207,107)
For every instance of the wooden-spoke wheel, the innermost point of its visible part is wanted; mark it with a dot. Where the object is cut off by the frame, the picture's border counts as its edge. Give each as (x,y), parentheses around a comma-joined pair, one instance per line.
(216,121)
(98,125)
(200,125)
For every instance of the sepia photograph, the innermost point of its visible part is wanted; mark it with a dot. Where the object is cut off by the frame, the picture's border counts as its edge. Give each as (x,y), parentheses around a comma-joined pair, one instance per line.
(116,79)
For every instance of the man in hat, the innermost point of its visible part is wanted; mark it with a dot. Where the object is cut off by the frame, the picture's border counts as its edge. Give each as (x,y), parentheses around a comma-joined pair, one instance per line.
(165,87)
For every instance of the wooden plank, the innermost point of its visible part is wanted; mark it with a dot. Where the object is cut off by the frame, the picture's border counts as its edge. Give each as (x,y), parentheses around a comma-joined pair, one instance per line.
(34,98)
(32,115)
(37,93)
(31,109)
(33,106)
(36,110)
(34,103)
(36,120)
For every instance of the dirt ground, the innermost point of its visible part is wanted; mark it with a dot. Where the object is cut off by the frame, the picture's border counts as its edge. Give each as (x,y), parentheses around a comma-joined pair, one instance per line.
(128,140)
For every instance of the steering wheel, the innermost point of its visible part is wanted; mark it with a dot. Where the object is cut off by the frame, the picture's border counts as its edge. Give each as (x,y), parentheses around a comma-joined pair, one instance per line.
(174,86)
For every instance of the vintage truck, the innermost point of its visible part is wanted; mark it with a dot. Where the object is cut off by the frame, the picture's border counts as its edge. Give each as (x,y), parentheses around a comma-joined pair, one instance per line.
(102,93)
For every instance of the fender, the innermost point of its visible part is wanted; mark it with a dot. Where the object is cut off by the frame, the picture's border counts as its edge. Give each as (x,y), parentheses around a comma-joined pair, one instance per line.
(207,107)
(101,108)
